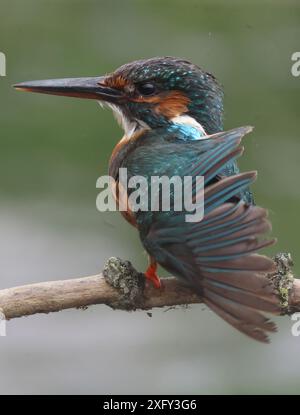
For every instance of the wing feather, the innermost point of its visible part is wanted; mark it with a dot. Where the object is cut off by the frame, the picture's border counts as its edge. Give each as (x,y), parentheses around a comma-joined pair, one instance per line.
(218,255)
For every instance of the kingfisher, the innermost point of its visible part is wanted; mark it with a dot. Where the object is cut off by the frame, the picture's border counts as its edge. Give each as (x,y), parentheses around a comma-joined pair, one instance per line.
(171,111)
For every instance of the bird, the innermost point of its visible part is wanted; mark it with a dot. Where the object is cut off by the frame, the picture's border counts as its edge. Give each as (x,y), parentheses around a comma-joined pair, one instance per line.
(171,111)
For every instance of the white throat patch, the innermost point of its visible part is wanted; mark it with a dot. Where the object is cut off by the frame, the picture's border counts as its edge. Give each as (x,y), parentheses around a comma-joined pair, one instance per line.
(129,126)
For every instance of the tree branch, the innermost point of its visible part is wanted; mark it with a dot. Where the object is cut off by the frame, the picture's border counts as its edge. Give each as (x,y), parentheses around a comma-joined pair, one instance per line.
(120,286)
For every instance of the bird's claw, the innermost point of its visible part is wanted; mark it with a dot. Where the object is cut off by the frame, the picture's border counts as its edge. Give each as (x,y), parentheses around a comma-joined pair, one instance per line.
(152,276)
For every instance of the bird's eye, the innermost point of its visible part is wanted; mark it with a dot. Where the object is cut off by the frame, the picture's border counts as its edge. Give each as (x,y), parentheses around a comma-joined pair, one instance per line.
(146,89)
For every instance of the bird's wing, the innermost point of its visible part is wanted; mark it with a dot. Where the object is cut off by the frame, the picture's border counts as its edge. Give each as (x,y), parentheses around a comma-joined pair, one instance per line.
(216,256)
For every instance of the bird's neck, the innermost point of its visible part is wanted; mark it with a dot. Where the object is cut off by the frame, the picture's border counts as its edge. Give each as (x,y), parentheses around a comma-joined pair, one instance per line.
(209,116)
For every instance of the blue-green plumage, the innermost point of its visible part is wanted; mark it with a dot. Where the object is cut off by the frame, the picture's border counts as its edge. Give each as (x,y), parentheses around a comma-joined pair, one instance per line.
(172,112)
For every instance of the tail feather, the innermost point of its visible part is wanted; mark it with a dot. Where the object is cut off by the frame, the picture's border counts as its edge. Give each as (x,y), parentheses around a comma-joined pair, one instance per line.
(244,319)
(251,281)
(267,303)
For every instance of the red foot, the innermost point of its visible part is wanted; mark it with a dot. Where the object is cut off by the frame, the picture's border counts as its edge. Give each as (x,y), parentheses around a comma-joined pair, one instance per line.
(152,276)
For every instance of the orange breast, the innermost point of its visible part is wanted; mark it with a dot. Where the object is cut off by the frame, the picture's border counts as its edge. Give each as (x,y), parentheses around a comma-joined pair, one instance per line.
(119,154)
(121,198)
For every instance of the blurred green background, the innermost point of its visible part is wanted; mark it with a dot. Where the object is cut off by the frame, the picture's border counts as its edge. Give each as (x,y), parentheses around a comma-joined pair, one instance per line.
(53,149)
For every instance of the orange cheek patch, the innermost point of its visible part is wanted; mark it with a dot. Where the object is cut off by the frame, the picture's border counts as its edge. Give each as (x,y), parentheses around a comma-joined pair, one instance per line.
(171,104)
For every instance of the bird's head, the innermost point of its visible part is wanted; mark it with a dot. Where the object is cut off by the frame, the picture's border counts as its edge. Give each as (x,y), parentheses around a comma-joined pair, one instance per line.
(149,93)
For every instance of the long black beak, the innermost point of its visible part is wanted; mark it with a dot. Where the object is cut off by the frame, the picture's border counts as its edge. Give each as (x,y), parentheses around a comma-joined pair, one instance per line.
(91,88)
